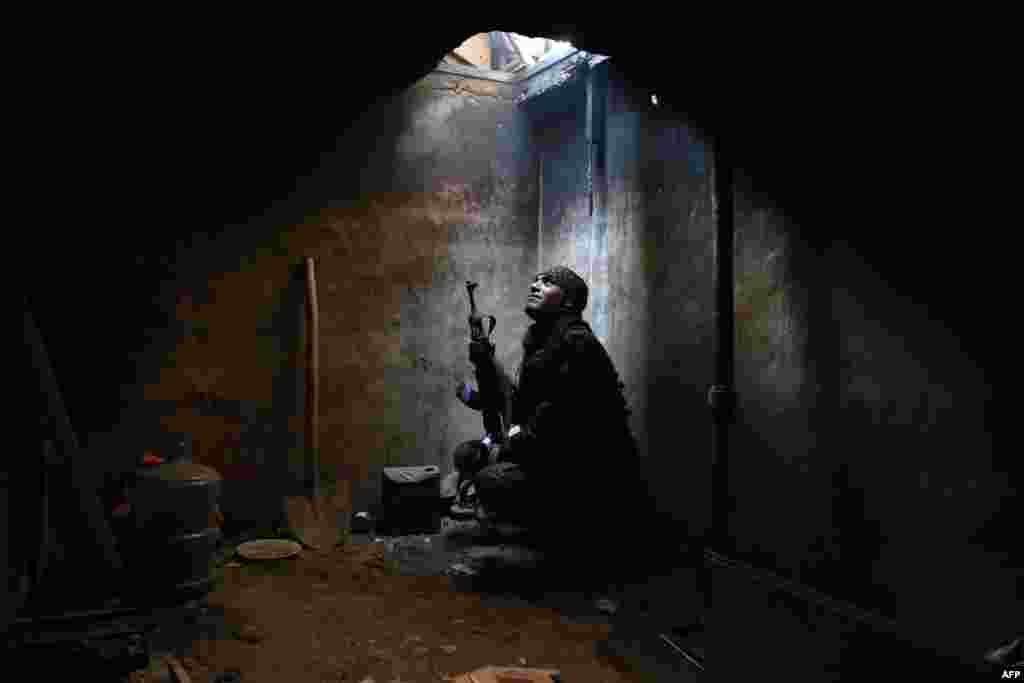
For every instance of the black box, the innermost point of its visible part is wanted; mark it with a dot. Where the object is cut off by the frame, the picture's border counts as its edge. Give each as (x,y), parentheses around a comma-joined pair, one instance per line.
(410,501)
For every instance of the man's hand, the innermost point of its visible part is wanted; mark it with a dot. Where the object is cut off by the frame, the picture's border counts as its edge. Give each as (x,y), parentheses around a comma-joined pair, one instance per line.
(517,436)
(468,395)
(515,444)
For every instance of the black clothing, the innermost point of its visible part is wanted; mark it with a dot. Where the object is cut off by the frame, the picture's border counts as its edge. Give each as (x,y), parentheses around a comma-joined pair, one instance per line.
(573,474)
(575,437)
(568,399)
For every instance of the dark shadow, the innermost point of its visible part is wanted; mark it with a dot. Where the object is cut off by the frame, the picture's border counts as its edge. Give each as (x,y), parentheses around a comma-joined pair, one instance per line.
(256,500)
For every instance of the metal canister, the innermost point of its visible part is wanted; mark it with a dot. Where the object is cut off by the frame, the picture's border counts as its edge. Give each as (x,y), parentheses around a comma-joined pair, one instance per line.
(175,530)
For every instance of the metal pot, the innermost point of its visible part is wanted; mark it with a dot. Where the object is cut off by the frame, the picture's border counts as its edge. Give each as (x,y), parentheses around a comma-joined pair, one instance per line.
(174,498)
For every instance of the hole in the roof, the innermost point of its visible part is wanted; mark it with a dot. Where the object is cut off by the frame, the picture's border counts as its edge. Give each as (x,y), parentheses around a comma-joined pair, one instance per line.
(506,52)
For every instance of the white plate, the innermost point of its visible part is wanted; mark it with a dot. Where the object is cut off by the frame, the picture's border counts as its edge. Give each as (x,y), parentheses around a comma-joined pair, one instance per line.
(269,549)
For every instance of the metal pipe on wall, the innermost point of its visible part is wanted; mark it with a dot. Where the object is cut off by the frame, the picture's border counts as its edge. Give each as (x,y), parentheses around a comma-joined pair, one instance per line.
(596,124)
(540,211)
(589,141)
(722,394)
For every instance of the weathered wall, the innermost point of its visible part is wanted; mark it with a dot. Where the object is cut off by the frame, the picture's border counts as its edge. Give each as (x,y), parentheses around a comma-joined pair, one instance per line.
(645,252)
(565,228)
(659,294)
(876,441)
(422,194)
(861,460)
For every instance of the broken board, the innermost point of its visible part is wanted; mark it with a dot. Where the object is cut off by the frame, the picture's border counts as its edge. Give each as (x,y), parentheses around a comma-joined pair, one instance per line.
(506,674)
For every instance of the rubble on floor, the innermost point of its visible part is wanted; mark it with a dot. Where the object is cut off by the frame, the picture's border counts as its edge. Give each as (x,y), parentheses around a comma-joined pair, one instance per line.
(351,614)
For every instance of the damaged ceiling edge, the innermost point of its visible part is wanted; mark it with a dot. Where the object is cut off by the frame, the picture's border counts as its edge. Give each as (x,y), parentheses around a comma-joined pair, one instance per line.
(571,60)
(469,60)
(551,59)
(573,66)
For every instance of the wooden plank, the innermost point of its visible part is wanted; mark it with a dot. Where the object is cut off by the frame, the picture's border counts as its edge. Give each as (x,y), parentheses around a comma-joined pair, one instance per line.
(476,50)
(180,675)
(453,58)
(505,674)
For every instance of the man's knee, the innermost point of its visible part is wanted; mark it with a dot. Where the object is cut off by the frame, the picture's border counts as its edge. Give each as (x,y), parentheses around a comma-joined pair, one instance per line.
(501,476)
(504,489)
(469,456)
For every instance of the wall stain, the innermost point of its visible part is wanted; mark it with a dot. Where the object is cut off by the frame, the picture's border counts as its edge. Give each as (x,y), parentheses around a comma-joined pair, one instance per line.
(372,253)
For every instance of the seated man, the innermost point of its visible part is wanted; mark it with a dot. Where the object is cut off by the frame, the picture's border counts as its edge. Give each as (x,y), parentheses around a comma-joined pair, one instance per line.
(556,470)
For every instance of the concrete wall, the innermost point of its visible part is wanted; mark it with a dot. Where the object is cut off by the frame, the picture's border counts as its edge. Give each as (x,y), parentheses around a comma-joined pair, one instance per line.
(861,463)
(646,255)
(660,294)
(867,418)
(425,192)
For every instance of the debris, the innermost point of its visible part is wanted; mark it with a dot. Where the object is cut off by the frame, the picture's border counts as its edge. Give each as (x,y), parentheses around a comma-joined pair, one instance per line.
(149,458)
(232,564)
(448,649)
(606,606)
(494,674)
(269,549)
(180,675)
(522,661)
(362,523)
(449,485)
(461,569)
(420,651)
(1006,654)
(252,634)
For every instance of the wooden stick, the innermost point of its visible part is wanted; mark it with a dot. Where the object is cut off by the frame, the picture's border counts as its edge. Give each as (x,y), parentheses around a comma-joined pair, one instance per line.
(313,372)
(180,675)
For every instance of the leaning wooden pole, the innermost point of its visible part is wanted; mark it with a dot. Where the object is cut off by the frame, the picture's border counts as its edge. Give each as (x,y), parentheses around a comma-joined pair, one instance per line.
(313,375)
(312,518)
(69,454)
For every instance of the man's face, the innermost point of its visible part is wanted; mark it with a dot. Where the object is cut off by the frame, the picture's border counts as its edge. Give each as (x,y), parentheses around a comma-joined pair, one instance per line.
(545,296)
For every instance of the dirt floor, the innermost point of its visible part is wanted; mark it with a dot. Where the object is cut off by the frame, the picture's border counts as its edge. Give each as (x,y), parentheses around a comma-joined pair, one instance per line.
(348,615)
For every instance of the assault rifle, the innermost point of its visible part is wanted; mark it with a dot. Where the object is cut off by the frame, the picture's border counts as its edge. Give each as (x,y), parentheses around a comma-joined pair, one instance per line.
(488,397)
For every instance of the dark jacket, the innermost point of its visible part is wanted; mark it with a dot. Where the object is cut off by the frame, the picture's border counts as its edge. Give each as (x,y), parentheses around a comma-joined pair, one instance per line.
(568,401)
